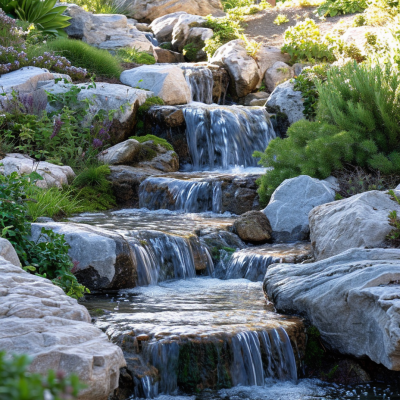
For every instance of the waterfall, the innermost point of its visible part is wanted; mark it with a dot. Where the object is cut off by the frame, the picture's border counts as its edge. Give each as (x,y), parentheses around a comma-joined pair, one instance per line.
(223,137)
(160,256)
(249,265)
(254,355)
(191,196)
(200,80)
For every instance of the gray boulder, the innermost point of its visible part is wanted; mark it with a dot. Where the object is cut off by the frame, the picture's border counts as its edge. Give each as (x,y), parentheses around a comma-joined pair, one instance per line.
(278,73)
(253,226)
(149,10)
(167,82)
(107,97)
(243,69)
(39,320)
(291,203)
(286,100)
(104,257)
(121,153)
(163,27)
(8,252)
(267,56)
(53,175)
(182,28)
(359,221)
(26,80)
(352,298)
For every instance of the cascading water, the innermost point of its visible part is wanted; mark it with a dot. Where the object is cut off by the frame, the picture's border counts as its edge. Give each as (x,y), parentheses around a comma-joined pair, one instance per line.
(223,137)
(200,80)
(180,195)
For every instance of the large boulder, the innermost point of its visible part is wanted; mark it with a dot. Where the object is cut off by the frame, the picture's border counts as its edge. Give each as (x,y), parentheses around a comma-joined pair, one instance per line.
(167,82)
(358,221)
(53,175)
(267,56)
(163,27)
(39,320)
(149,10)
(243,69)
(357,36)
(291,203)
(196,41)
(285,99)
(108,97)
(104,258)
(182,28)
(8,252)
(106,31)
(278,73)
(122,153)
(253,226)
(352,298)
(26,80)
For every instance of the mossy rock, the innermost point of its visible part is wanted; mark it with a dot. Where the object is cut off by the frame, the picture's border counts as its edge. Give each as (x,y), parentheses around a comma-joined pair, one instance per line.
(155,139)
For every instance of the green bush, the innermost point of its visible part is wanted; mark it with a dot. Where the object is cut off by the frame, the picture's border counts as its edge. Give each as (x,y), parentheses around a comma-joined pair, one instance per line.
(304,42)
(93,190)
(130,55)
(102,6)
(190,51)
(42,13)
(363,101)
(336,7)
(156,140)
(357,123)
(17,383)
(96,61)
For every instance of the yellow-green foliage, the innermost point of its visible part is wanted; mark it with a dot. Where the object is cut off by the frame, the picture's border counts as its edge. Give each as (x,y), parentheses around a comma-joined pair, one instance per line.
(131,55)
(281,19)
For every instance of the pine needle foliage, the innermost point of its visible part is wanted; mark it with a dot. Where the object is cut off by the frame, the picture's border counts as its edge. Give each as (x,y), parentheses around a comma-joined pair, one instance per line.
(357,123)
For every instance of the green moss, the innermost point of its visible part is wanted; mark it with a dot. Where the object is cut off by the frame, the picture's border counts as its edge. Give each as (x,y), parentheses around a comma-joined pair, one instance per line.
(132,55)
(166,46)
(98,312)
(156,140)
(151,101)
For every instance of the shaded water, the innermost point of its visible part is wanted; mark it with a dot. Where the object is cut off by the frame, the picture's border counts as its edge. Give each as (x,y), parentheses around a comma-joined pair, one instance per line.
(221,137)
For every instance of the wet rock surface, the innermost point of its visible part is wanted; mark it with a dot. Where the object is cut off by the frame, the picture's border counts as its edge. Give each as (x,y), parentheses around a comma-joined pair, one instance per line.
(254,227)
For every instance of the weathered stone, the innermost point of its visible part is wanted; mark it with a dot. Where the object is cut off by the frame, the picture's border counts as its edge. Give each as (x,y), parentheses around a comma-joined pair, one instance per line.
(255,99)
(26,80)
(253,226)
(243,70)
(149,10)
(106,31)
(163,27)
(165,161)
(298,68)
(267,56)
(143,27)
(358,221)
(106,96)
(182,28)
(277,74)
(167,82)
(284,99)
(121,153)
(291,203)
(104,257)
(8,252)
(39,320)
(53,175)
(196,39)
(164,56)
(352,298)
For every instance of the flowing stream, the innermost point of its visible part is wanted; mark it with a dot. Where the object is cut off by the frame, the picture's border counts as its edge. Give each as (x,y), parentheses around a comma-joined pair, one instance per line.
(196,325)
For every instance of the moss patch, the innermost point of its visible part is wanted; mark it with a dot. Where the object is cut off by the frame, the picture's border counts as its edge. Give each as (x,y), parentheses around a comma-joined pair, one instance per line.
(156,140)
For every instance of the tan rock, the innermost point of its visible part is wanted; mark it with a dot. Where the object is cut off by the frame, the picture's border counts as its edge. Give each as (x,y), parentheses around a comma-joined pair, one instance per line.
(253,226)
(277,74)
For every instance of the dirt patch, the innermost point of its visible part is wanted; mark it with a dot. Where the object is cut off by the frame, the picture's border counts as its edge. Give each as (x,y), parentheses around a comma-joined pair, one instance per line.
(261,28)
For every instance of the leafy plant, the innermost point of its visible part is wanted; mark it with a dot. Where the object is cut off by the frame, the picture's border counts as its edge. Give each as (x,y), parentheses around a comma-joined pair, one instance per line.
(394,235)
(281,19)
(190,51)
(337,7)
(96,61)
(17,383)
(131,55)
(304,42)
(43,13)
